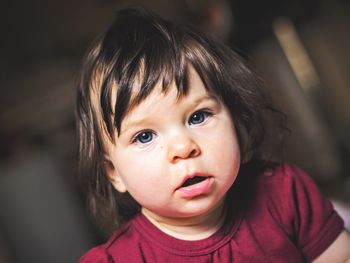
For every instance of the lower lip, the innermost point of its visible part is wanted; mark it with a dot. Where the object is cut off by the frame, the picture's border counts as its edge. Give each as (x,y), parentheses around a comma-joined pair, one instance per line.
(196,189)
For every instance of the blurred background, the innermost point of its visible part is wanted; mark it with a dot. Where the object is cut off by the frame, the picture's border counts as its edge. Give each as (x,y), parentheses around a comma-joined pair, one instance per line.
(301,48)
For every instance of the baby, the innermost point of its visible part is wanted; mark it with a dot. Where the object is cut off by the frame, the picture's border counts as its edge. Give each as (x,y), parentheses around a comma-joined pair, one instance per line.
(170,125)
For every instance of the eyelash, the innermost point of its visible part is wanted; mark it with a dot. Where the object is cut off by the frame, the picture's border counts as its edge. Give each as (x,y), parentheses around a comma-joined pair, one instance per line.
(137,137)
(204,114)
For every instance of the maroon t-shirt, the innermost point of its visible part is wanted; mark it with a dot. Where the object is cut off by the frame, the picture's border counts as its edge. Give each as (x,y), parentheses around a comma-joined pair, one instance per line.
(280,216)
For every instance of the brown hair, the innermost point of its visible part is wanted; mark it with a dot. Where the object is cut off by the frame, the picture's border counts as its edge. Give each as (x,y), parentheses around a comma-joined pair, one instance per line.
(140,47)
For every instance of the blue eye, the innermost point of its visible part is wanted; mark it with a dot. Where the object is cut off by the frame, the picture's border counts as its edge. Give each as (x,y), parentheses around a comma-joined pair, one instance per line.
(198,117)
(144,137)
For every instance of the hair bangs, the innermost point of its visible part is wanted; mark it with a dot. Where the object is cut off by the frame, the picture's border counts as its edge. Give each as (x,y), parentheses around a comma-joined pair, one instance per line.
(157,62)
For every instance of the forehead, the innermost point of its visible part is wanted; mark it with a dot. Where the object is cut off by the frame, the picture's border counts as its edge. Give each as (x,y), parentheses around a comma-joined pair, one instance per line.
(160,100)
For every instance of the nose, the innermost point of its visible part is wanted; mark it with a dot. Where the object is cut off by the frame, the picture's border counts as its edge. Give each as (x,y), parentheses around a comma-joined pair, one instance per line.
(181,147)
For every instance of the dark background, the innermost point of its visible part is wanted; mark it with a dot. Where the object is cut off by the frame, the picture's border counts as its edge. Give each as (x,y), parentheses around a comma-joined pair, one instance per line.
(300,48)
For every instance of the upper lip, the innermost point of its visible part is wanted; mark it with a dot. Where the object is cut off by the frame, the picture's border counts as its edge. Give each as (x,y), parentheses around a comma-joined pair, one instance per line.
(188,176)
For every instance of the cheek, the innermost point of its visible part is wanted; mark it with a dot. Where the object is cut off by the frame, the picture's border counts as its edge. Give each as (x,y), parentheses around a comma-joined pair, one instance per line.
(142,175)
(226,157)
(149,192)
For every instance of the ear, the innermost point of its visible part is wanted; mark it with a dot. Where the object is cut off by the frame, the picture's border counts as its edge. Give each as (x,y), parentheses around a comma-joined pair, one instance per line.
(114,177)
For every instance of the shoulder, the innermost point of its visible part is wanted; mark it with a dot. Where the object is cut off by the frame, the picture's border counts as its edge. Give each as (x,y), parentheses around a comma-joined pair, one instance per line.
(297,188)
(104,253)
(293,193)
(97,254)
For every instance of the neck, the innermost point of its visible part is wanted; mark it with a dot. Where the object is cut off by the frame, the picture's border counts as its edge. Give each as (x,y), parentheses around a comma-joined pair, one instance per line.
(192,228)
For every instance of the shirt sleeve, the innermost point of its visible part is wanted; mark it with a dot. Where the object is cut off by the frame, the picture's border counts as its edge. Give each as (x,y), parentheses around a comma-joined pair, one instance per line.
(96,255)
(315,221)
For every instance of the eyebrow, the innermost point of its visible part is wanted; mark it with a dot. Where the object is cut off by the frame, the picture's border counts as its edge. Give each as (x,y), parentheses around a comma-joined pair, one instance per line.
(204,98)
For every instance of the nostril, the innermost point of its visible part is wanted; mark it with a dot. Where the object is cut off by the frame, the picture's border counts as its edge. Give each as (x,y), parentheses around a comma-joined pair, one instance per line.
(194,152)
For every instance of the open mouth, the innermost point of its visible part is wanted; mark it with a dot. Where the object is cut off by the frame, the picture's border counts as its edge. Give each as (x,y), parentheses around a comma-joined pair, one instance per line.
(196,185)
(193,180)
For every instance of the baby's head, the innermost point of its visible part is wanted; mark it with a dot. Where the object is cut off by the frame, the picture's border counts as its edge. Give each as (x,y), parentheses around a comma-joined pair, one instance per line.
(163,107)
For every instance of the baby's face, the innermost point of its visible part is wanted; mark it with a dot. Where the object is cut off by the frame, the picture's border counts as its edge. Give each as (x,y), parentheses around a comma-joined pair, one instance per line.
(176,157)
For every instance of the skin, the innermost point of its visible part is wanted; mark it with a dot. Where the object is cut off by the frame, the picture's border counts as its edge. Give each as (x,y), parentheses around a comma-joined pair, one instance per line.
(338,251)
(166,139)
